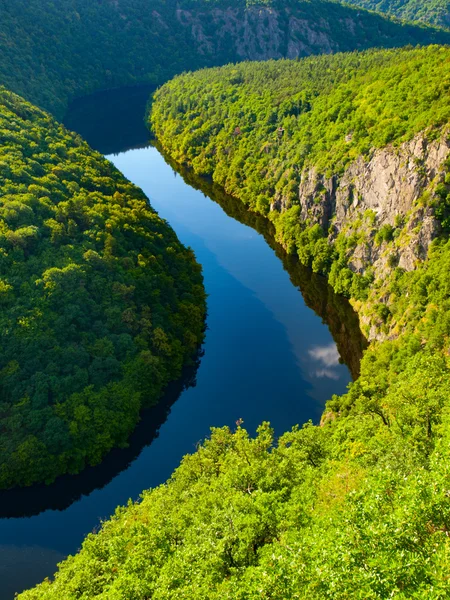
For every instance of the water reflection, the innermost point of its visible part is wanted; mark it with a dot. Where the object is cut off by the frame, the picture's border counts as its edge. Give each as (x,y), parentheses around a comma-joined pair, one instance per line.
(329,357)
(335,311)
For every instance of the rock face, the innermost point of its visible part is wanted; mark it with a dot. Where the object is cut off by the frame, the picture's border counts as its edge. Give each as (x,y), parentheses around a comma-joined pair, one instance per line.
(260,33)
(385,204)
(391,181)
(384,191)
(277,31)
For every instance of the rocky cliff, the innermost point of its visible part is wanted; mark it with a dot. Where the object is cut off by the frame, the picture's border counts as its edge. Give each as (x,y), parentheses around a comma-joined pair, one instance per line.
(280,30)
(260,33)
(384,204)
(346,153)
(383,191)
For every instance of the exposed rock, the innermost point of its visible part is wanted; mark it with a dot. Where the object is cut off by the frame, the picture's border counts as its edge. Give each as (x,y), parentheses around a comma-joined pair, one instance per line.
(391,181)
(260,32)
(317,197)
(389,186)
(385,191)
(391,190)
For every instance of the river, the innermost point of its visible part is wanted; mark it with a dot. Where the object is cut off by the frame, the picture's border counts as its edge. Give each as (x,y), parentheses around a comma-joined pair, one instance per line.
(276,345)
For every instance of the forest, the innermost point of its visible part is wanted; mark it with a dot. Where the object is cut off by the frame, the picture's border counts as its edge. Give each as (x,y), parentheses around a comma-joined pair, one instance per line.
(356,507)
(52,52)
(436,12)
(259,128)
(101,304)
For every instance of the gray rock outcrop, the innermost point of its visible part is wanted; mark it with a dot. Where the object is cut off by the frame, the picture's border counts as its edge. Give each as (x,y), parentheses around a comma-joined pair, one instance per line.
(384,190)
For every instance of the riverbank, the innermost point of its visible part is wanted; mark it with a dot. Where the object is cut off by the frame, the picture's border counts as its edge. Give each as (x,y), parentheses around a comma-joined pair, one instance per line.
(355,507)
(257,363)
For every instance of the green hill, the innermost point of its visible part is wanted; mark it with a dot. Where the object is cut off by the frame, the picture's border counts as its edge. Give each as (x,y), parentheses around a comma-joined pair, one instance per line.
(293,141)
(51,52)
(436,12)
(101,304)
(357,507)
(349,511)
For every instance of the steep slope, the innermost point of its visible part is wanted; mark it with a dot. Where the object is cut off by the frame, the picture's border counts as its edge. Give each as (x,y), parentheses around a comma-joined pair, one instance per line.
(357,507)
(436,12)
(53,51)
(345,154)
(101,304)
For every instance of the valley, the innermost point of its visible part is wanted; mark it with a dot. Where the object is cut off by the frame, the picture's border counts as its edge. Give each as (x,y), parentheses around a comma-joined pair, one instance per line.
(225,325)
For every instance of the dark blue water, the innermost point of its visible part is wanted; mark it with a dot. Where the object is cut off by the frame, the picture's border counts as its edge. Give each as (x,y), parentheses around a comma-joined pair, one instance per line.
(267,356)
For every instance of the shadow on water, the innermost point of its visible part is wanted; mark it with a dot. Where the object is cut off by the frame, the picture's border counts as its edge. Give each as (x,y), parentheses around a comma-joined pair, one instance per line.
(67,489)
(119,125)
(335,311)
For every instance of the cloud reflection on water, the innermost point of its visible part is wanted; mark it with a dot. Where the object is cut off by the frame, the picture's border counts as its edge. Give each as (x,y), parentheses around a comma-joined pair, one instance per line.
(328,357)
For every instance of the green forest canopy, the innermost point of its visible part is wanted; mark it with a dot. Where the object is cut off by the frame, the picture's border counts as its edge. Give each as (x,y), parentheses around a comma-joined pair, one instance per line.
(357,507)
(79,46)
(100,304)
(436,12)
(52,51)
(378,97)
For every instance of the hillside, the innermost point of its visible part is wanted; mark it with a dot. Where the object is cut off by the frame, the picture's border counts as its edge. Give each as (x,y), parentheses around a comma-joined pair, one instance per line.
(436,12)
(52,52)
(357,507)
(349,511)
(344,154)
(101,304)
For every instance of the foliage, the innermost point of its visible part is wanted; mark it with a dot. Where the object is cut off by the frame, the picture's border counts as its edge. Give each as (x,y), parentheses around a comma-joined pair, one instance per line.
(331,110)
(357,507)
(432,11)
(260,129)
(101,304)
(51,52)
